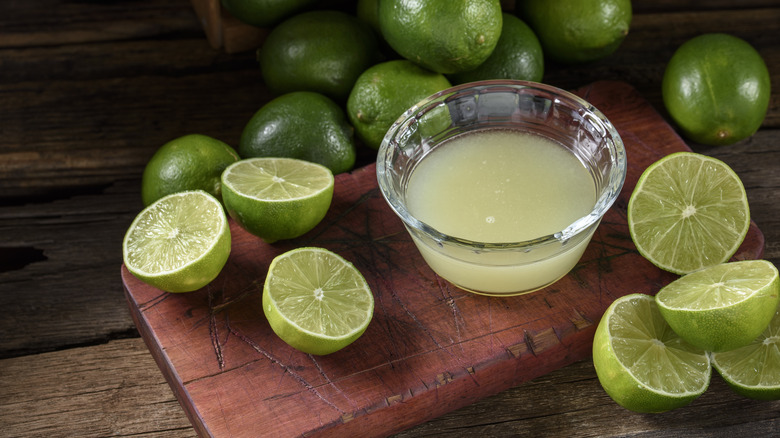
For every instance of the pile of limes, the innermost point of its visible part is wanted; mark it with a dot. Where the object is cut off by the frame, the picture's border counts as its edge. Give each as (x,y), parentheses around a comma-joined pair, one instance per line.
(688,214)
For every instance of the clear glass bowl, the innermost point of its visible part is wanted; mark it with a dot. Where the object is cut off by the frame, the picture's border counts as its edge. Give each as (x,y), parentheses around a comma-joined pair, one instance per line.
(502,268)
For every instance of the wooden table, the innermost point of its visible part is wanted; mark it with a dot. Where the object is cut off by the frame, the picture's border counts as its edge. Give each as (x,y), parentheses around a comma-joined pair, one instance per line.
(89,90)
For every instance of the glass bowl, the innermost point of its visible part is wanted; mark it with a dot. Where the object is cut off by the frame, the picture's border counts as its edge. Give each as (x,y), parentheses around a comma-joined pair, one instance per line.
(502,268)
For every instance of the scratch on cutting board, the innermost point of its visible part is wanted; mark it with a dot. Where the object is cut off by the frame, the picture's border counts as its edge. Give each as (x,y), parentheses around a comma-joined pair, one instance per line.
(289,370)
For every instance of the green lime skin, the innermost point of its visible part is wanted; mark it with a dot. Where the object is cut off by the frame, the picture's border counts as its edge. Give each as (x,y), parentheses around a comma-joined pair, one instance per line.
(728,327)
(573,32)
(191,162)
(518,55)
(264,13)
(276,218)
(716,88)
(384,92)
(321,51)
(304,125)
(445,36)
(368,11)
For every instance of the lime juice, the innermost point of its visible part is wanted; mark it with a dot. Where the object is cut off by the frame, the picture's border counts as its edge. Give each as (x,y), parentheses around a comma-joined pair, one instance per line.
(500,187)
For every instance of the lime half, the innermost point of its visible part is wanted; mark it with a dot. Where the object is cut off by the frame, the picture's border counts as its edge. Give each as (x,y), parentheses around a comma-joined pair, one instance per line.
(316,301)
(687,212)
(277,198)
(642,363)
(722,307)
(754,370)
(179,243)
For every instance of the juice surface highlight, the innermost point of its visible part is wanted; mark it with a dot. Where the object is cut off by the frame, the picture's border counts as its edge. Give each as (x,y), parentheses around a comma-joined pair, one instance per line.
(500,186)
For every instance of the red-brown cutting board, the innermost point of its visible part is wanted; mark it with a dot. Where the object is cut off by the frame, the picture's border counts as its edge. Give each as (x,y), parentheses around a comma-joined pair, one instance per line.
(430,347)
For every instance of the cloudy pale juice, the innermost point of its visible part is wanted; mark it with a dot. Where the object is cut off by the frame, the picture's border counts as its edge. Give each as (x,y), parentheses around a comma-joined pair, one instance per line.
(500,186)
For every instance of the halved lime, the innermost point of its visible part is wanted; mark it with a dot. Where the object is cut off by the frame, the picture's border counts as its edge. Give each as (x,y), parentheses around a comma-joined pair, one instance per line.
(179,243)
(687,212)
(642,363)
(277,198)
(316,301)
(754,370)
(722,307)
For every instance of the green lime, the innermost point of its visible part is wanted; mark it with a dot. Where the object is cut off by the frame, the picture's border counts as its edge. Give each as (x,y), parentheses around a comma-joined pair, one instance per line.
(642,363)
(368,11)
(518,55)
(384,92)
(264,13)
(180,243)
(303,125)
(191,162)
(754,370)
(578,31)
(722,307)
(321,51)
(687,212)
(446,36)
(277,198)
(716,88)
(316,301)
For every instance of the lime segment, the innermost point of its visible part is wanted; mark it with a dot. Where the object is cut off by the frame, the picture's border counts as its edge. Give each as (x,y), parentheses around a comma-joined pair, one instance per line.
(754,370)
(722,307)
(277,198)
(642,363)
(316,301)
(180,243)
(687,212)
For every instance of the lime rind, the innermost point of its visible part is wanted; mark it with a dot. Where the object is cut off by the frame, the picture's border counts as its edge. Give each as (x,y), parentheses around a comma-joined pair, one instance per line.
(179,243)
(753,371)
(316,301)
(641,363)
(277,198)
(722,307)
(687,212)
(278,179)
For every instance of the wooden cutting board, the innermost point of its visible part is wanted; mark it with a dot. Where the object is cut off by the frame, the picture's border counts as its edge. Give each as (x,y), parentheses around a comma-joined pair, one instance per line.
(430,347)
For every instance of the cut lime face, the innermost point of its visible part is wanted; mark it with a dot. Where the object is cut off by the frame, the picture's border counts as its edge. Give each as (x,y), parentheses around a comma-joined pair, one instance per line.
(642,363)
(754,370)
(316,301)
(277,198)
(687,212)
(722,307)
(179,243)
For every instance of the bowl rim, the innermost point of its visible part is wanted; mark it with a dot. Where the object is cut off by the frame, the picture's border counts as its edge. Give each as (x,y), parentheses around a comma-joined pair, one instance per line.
(607,197)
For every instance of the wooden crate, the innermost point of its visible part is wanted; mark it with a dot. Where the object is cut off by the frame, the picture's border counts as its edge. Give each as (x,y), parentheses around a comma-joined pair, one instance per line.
(225,31)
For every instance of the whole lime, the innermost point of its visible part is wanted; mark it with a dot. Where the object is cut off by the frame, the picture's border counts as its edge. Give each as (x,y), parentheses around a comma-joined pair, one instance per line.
(304,125)
(321,51)
(383,92)
(264,13)
(446,36)
(716,88)
(191,162)
(578,31)
(518,55)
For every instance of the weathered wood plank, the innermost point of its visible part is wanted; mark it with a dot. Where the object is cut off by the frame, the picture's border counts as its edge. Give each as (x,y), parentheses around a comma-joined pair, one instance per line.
(59,22)
(116,389)
(113,389)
